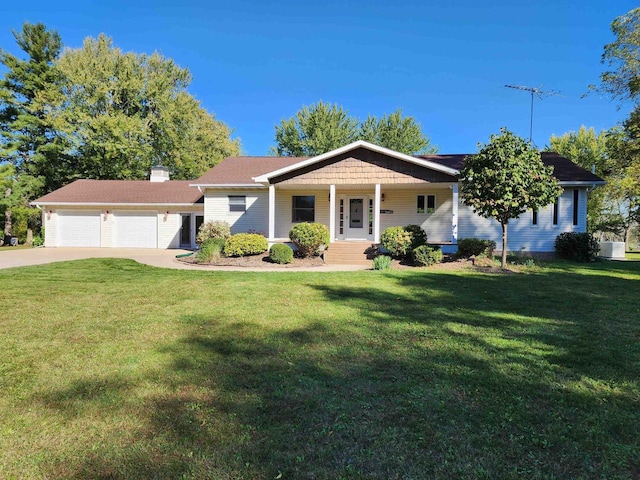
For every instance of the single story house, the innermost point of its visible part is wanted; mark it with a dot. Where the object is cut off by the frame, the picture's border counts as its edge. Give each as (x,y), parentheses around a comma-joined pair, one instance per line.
(357,191)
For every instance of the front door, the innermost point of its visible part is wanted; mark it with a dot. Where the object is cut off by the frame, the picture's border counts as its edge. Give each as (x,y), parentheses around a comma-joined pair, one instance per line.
(357,218)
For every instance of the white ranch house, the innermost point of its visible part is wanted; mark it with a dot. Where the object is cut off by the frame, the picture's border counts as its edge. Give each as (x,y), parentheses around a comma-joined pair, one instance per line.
(357,191)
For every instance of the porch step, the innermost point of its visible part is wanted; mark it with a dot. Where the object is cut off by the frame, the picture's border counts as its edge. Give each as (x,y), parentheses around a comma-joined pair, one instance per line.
(348,253)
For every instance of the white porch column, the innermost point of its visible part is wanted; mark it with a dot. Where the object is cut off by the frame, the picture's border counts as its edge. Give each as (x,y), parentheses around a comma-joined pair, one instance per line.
(376,215)
(332,213)
(272,213)
(454,214)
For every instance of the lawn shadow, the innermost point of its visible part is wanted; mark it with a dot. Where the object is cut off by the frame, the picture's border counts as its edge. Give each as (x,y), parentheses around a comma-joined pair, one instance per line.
(424,375)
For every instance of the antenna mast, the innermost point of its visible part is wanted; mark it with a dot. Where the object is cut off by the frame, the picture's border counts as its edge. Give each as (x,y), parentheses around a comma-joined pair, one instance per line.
(540,93)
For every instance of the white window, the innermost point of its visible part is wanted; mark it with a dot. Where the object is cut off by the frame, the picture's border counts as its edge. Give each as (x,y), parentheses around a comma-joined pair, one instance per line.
(426,204)
(237,203)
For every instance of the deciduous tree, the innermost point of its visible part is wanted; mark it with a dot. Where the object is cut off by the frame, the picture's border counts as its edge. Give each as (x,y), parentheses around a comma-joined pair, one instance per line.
(621,80)
(321,127)
(122,112)
(505,179)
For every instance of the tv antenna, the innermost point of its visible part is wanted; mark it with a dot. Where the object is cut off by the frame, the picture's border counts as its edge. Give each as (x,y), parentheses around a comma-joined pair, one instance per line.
(540,94)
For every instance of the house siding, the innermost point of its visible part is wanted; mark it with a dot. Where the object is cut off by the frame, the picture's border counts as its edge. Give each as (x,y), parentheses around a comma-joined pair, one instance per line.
(255,217)
(403,203)
(522,235)
(168,231)
(284,209)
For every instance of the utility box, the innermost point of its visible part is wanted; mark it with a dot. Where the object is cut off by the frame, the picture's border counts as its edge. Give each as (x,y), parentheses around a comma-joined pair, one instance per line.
(612,250)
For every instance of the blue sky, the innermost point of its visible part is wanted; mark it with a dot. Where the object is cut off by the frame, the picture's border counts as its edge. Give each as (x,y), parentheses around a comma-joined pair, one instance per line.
(444,63)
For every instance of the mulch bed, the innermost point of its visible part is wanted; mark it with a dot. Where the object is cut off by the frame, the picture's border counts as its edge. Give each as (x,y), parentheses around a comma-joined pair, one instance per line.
(256,261)
(262,261)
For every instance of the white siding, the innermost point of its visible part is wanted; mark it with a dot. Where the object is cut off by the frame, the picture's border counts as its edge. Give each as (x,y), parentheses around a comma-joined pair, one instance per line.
(404,205)
(168,230)
(50,224)
(284,209)
(522,235)
(216,207)
(165,235)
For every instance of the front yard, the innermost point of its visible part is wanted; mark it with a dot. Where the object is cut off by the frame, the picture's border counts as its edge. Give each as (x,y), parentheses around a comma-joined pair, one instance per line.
(111,369)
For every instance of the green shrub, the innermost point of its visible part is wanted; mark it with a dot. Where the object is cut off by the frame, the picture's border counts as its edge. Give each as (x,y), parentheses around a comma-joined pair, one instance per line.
(579,247)
(242,244)
(473,247)
(216,229)
(309,238)
(418,235)
(280,253)
(397,241)
(211,250)
(38,241)
(382,262)
(426,255)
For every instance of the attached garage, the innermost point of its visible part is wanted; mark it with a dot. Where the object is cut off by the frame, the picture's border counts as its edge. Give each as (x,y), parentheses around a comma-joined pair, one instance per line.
(136,229)
(78,228)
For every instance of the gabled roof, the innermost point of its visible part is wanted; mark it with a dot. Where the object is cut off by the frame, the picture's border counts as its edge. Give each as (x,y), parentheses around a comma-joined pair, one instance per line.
(123,192)
(264,178)
(257,171)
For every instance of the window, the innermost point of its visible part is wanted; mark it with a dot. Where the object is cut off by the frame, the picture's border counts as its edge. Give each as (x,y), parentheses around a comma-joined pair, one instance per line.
(303,208)
(555,212)
(534,217)
(575,206)
(237,203)
(426,203)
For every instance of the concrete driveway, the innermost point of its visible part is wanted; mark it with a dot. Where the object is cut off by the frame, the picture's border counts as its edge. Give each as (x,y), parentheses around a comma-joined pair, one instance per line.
(39,256)
(149,256)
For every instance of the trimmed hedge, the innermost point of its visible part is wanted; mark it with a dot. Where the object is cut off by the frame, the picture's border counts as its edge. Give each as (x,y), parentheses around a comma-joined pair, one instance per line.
(215,229)
(579,247)
(309,238)
(426,255)
(418,236)
(400,241)
(473,247)
(243,244)
(280,253)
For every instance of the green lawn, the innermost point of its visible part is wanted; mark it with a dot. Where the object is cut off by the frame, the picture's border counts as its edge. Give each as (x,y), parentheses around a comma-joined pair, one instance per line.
(114,370)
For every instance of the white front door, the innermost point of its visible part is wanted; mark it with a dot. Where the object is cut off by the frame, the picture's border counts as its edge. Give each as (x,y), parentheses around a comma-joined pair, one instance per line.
(357,218)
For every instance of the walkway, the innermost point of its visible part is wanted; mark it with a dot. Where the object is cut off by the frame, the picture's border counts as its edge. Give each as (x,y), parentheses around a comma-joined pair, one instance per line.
(154,257)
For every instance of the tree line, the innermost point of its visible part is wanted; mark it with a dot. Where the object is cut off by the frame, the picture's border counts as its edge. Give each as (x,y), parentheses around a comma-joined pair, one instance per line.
(95,112)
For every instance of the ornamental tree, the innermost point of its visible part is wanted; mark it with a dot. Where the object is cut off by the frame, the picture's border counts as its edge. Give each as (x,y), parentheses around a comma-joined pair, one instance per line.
(505,179)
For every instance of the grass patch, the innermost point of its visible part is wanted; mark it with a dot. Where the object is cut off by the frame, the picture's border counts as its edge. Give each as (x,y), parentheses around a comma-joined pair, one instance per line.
(111,369)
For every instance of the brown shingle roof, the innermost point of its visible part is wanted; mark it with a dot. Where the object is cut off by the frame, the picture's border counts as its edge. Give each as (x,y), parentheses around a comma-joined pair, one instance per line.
(241,170)
(563,168)
(124,192)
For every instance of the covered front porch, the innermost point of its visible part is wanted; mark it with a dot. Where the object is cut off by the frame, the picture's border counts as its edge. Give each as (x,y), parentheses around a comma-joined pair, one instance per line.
(361,212)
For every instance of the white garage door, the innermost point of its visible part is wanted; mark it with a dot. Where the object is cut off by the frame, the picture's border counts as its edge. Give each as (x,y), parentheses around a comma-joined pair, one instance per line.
(78,229)
(136,229)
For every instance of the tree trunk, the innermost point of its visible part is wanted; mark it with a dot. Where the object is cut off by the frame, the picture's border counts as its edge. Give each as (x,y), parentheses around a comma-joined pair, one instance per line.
(7,222)
(7,228)
(504,245)
(627,237)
